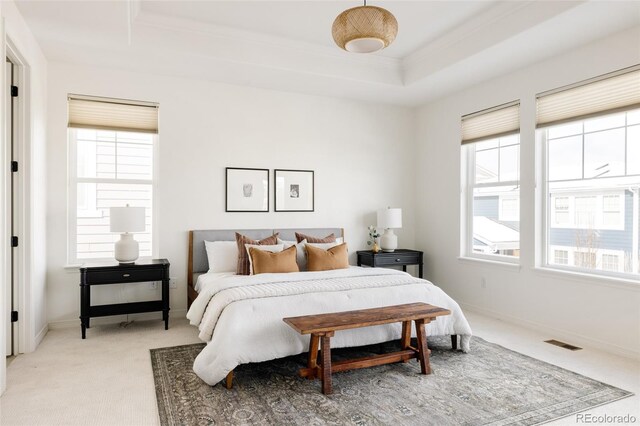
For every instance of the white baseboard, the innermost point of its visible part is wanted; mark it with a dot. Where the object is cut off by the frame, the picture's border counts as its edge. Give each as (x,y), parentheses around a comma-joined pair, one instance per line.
(570,337)
(40,336)
(174,313)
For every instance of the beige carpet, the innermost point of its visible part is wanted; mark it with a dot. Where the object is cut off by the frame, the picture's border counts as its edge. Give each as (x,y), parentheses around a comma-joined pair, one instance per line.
(105,379)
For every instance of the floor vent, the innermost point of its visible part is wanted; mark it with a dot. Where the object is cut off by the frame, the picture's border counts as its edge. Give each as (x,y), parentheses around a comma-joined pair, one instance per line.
(563,345)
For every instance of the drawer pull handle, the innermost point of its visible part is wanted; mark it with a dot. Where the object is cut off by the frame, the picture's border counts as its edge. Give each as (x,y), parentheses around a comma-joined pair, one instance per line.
(397,260)
(126,275)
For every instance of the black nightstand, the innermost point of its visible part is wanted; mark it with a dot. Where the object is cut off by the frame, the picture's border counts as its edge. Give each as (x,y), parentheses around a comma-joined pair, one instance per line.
(142,271)
(402,257)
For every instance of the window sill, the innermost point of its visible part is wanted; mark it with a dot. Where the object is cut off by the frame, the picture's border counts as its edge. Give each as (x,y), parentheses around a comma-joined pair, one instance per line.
(475,260)
(598,280)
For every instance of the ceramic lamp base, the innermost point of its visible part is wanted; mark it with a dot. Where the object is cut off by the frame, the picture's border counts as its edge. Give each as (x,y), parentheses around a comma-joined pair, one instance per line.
(388,241)
(126,249)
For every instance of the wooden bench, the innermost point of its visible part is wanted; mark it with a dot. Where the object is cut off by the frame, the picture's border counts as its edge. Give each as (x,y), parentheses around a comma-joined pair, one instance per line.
(322,327)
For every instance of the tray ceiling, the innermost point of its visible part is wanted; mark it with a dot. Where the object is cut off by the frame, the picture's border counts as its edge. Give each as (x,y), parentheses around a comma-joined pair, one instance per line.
(288,46)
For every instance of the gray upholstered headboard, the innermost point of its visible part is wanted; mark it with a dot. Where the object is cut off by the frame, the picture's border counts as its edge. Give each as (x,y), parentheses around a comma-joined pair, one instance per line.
(198,262)
(199,255)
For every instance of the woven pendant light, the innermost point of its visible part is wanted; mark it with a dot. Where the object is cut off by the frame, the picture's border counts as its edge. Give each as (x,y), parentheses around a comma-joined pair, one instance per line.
(364,29)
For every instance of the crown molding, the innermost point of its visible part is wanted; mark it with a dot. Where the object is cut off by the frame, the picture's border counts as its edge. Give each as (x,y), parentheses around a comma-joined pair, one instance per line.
(500,39)
(495,25)
(484,20)
(229,34)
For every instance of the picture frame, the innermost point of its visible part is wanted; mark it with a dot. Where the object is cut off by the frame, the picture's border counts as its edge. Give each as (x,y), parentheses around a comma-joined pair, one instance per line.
(294,190)
(247,190)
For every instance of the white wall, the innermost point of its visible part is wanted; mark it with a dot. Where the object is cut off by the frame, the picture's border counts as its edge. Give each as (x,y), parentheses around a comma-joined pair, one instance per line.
(32,158)
(588,312)
(205,127)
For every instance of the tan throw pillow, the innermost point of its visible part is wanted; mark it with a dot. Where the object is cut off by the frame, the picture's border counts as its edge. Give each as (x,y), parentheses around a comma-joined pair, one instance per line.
(243,257)
(325,260)
(328,239)
(265,262)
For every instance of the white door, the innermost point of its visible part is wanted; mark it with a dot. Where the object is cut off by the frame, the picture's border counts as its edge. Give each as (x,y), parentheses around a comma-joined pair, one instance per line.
(9,287)
(10,110)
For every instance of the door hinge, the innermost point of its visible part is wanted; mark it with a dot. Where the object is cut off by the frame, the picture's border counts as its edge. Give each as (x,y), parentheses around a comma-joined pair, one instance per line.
(14,316)
(14,91)
(14,166)
(14,241)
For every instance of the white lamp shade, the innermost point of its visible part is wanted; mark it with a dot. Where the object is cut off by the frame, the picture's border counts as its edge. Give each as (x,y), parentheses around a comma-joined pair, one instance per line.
(390,218)
(127,219)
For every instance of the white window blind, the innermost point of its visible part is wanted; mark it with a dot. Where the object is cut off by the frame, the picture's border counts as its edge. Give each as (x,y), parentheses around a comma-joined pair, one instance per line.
(491,123)
(123,115)
(609,93)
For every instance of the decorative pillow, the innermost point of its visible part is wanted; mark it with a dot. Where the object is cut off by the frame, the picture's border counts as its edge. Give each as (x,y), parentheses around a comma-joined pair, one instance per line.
(325,246)
(328,239)
(272,249)
(222,255)
(242,267)
(301,255)
(325,260)
(266,262)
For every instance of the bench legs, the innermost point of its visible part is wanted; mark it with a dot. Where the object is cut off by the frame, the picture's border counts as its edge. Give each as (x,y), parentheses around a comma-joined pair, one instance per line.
(405,340)
(228,381)
(325,360)
(423,350)
(322,341)
(313,357)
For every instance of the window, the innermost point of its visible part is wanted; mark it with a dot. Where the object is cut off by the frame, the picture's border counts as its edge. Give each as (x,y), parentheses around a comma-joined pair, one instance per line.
(610,262)
(561,257)
(108,168)
(509,209)
(586,212)
(611,209)
(561,211)
(585,259)
(492,191)
(591,141)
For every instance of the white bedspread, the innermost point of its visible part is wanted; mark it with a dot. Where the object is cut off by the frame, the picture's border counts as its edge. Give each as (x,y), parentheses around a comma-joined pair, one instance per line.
(241,316)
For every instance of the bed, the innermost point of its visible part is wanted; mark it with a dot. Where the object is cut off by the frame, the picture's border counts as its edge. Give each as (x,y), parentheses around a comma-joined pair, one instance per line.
(240,317)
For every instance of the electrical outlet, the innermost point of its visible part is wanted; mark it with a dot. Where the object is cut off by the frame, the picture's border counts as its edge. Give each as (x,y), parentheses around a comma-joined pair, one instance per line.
(173,283)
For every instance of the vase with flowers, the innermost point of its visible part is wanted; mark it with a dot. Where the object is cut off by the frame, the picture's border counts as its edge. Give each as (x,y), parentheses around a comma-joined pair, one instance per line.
(373,234)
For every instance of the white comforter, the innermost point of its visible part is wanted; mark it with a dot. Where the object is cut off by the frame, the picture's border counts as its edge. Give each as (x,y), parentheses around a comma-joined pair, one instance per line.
(241,316)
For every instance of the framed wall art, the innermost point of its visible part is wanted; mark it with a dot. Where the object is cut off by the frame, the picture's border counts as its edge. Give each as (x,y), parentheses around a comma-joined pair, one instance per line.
(294,190)
(247,190)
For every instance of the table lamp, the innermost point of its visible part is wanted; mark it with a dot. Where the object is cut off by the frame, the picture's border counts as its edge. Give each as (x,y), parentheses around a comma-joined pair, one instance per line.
(125,220)
(389,219)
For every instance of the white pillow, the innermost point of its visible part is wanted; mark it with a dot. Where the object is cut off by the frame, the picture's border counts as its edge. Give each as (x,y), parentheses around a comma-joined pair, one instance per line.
(325,246)
(276,248)
(222,255)
(301,257)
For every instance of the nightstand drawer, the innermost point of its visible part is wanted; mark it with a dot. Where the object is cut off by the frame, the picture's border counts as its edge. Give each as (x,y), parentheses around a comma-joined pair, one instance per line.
(127,276)
(400,257)
(397,259)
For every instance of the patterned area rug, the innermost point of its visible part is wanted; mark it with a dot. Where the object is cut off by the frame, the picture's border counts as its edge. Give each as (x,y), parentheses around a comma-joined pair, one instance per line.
(489,386)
